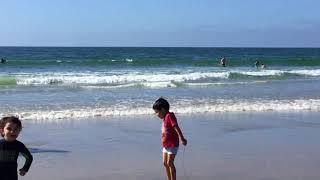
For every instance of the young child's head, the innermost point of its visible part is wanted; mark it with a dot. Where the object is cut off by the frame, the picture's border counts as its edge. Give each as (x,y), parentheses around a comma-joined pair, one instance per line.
(10,128)
(161,107)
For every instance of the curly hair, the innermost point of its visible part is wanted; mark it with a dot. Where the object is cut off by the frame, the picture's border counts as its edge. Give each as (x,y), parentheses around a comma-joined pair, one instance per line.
(10,119)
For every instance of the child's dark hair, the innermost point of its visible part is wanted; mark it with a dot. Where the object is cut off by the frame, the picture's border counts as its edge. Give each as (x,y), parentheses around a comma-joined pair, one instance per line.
(10,119)
(161,103)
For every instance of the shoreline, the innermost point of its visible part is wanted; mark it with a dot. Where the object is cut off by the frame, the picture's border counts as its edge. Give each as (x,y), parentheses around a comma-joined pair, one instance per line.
(243,146)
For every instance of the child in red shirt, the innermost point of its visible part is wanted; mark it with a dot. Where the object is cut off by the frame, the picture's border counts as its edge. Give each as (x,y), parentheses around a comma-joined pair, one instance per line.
(171,133)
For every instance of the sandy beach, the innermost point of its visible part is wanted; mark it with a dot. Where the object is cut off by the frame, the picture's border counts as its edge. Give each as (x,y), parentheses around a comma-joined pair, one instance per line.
(224,146)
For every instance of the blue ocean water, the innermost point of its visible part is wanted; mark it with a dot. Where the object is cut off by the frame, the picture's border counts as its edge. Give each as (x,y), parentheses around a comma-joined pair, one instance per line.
(57,83)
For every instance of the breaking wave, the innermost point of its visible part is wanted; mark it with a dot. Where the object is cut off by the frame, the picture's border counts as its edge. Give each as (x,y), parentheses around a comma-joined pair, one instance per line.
(149,79)
(181,107)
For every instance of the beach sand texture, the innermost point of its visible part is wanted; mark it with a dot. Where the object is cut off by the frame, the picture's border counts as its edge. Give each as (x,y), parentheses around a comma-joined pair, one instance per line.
(224,146)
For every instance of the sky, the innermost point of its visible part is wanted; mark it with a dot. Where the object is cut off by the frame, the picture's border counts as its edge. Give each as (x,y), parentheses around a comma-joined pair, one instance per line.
(160,23)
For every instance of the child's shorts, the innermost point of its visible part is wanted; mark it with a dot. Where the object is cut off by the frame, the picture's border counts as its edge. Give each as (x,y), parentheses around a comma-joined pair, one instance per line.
(173,150)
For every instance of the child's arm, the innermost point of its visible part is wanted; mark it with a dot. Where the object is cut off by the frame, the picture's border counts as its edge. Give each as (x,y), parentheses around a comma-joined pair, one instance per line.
(178,130)
(27,155)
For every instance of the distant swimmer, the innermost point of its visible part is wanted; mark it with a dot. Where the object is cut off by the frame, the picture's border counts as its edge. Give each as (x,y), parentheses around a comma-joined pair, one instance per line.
(257,64)
(3,61)
(223,62)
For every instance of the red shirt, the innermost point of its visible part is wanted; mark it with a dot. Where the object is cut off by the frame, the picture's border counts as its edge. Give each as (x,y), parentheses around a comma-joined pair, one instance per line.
(170,137)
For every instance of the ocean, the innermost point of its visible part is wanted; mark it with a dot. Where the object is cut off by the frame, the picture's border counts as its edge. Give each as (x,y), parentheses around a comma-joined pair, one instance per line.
(64,83)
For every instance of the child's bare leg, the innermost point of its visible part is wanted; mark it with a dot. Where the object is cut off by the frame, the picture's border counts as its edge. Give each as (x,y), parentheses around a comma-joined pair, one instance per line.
(171,166)
(165,160)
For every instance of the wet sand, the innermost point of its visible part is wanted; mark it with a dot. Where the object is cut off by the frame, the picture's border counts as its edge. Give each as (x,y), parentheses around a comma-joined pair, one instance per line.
(222,146)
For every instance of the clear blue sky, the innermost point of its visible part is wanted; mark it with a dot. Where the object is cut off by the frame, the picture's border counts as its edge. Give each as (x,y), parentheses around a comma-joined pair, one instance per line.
(213,23)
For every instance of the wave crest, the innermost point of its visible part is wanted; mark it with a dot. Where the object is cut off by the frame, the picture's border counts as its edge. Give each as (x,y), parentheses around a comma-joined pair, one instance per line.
(149,79)
(184,108)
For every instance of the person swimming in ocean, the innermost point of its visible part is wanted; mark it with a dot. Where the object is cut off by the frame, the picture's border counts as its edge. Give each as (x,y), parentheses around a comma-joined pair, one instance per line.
(3,61)
(257,64)
(223,62)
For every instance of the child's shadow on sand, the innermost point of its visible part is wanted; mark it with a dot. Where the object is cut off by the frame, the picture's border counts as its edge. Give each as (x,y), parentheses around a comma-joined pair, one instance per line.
(37,150)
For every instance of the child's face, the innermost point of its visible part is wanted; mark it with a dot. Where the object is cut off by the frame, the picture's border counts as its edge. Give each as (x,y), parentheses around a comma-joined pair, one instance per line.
(11,131)
(161,113)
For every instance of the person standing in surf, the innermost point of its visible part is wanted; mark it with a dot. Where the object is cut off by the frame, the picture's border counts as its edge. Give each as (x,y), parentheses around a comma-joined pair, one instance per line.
(171,133)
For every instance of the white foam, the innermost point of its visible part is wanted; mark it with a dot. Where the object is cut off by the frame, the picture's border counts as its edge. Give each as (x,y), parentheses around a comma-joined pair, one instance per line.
(311,72)
(184,107)
(262,73)
(102,78)
(315,72)
(141,84)
(146,78)
(257,106)
(224,83)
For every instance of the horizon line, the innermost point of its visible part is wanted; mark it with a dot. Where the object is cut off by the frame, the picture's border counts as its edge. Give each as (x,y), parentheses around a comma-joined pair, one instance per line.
(284,47)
